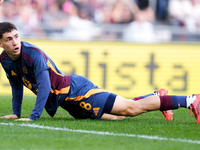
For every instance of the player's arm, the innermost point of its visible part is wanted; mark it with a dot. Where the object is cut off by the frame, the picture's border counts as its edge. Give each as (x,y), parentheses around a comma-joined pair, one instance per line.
(44,87)
(17,95)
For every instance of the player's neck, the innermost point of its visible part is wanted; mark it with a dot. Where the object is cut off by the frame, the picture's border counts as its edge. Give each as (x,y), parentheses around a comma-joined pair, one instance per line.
(14,57)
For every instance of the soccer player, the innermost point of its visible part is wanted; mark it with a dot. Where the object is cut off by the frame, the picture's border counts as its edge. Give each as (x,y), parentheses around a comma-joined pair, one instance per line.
(25,64)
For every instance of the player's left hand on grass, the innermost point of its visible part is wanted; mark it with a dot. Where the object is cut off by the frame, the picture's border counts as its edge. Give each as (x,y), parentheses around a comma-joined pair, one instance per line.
(23,119)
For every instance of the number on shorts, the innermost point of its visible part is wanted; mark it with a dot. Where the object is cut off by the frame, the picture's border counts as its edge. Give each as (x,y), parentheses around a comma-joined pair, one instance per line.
(86,106)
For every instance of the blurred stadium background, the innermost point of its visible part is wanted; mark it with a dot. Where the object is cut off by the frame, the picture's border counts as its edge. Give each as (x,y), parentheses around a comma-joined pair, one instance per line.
(129,47)
(143,21)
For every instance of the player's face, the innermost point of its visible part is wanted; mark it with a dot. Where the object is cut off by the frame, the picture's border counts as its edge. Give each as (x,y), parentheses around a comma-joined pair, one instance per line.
(11,43)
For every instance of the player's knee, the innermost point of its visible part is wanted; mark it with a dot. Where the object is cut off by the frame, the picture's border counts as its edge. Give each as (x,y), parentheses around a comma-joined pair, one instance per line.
(133,110)
(125,107)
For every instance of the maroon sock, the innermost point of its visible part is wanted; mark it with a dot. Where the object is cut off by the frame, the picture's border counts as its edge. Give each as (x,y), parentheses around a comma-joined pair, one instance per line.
(165,102)
(136,98)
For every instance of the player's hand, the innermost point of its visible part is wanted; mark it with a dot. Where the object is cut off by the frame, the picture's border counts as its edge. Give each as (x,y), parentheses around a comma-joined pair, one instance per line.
(23,119)
(13,116)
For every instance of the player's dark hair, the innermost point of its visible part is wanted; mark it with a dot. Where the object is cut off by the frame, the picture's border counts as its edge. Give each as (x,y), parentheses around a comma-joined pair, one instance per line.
(6,27)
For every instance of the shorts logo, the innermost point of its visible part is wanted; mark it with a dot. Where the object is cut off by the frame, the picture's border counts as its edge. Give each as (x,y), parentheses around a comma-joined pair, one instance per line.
(96,110)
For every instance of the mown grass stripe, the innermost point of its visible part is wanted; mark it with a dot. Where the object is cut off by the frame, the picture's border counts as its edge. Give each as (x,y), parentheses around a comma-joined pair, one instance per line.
(103,133)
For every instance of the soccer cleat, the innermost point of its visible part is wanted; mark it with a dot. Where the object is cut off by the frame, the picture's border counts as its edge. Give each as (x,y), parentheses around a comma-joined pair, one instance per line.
(195,108)
(161,92)
(168,114)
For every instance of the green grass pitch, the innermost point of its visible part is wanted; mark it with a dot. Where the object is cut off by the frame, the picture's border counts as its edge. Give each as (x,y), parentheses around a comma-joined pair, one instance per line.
(145,132)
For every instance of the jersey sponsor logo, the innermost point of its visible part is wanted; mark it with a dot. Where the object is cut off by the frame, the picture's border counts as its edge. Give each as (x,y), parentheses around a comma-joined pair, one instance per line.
(96,110)
(13,73)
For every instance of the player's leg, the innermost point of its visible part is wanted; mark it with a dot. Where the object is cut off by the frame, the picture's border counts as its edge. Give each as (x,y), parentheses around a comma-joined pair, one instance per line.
(159,92)
(106,116)
(126,107)
(195,107)
(168,114)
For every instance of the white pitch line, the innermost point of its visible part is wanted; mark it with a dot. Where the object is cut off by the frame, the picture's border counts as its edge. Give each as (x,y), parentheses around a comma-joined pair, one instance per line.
(104,133)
